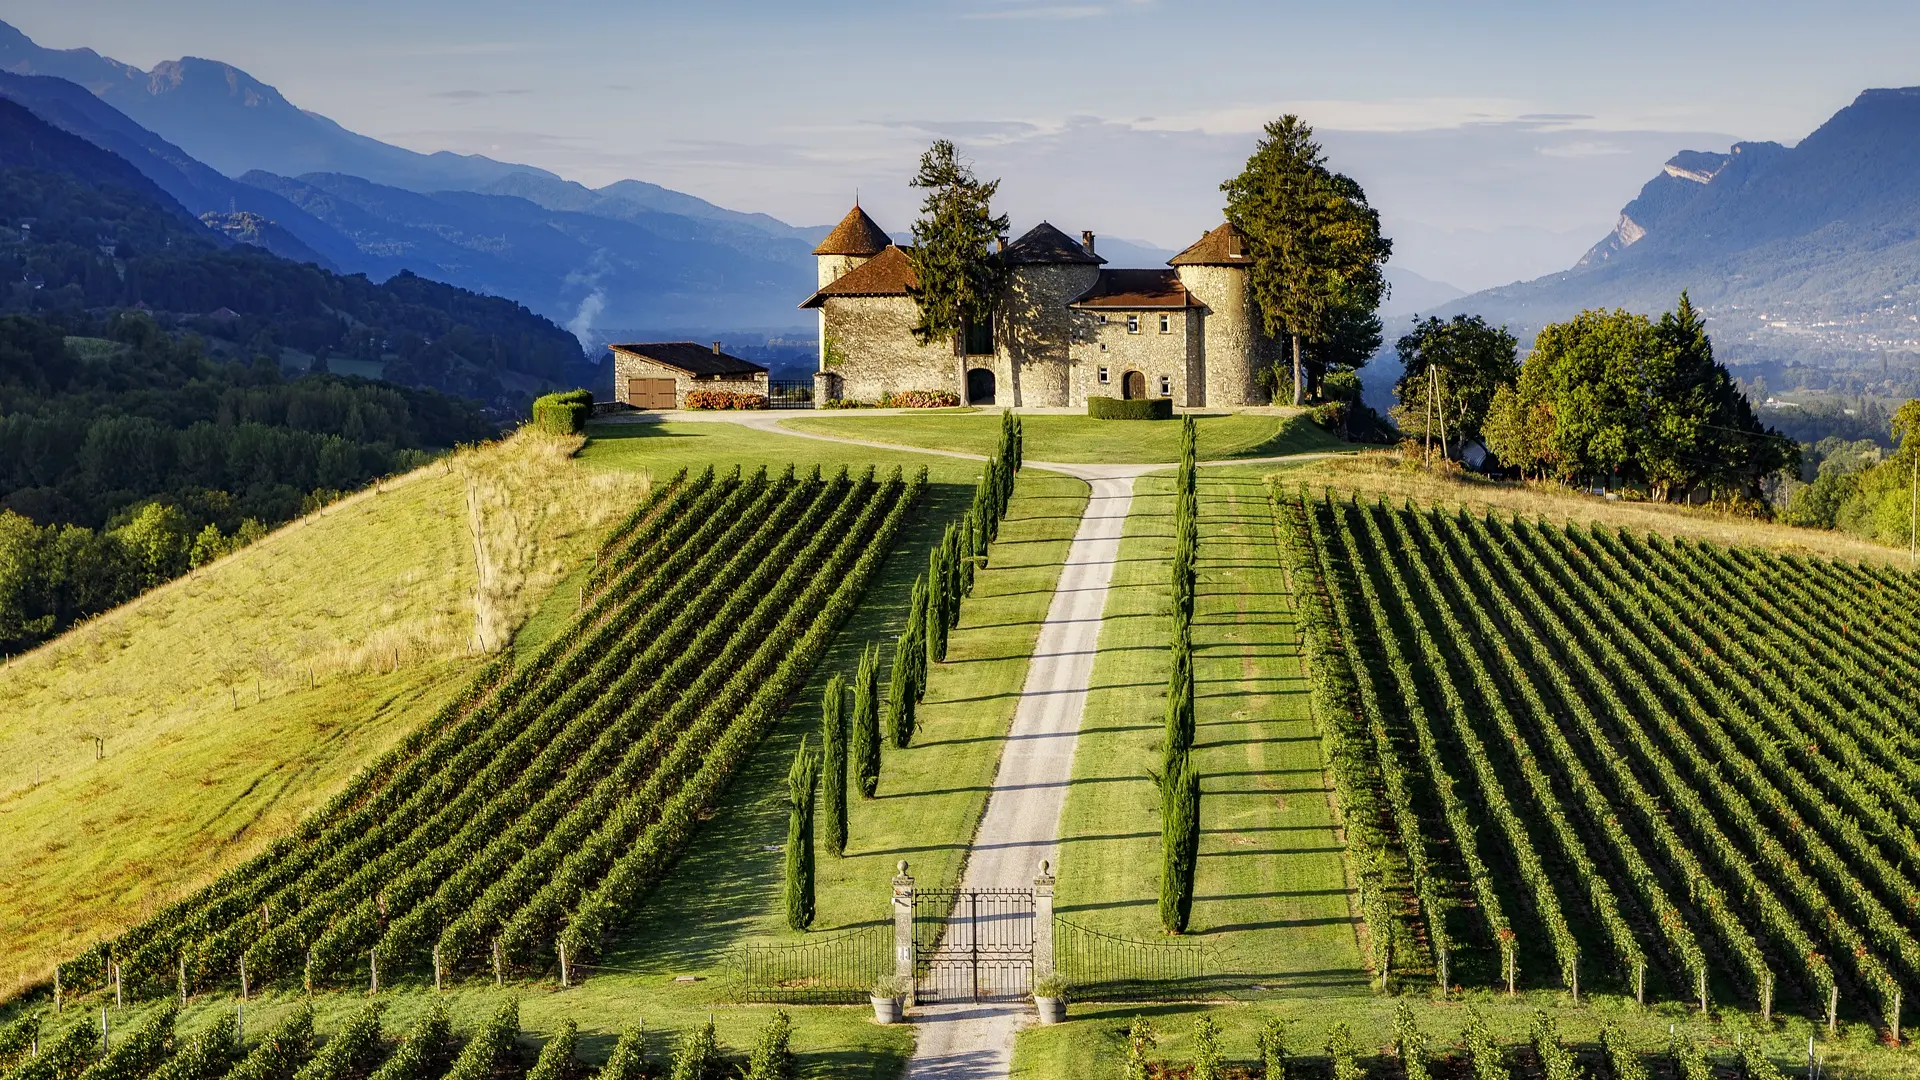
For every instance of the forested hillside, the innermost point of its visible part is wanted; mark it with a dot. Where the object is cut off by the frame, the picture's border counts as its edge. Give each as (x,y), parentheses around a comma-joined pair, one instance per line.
(89,232)
(128,458)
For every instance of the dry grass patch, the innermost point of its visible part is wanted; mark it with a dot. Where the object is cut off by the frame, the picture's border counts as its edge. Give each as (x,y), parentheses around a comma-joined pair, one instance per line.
(1382,473)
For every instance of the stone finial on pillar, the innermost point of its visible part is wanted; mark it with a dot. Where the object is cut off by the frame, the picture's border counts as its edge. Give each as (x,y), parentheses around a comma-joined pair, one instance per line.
(903,928)
(1043,922)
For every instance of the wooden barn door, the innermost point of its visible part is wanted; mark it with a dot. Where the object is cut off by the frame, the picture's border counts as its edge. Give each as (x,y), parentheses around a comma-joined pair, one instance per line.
(650,393)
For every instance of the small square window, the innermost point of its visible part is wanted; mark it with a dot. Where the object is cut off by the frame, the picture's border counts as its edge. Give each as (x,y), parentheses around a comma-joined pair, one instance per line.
(1133,324)
(1166,324)
(1104,377)
(1166,386)
(1103,320)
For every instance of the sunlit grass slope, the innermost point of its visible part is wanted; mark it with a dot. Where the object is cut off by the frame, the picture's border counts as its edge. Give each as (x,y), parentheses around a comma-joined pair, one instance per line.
(1062,438)
(230,702)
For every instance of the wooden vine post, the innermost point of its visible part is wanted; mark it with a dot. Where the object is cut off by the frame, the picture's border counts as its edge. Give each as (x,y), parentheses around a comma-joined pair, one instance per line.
(56,988)
(119,1000)
(497,978)
(243,976)
(436,967)
(1703,991)
(1766,999)
(1833,1010)
(565,975)
(373,971)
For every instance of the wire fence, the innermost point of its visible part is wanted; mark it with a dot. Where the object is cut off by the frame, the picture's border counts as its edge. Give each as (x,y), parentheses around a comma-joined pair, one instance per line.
(1105,967)
(834,969)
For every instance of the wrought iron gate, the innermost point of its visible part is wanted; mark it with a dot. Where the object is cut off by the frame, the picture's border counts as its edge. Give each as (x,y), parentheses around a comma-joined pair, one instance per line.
(972,945)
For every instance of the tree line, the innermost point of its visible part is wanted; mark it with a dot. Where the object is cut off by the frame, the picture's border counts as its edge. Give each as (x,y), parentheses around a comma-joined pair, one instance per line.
(128,456)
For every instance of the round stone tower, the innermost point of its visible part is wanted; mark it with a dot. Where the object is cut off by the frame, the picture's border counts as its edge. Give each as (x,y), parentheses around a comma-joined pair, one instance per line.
(852,242)
(1216,271)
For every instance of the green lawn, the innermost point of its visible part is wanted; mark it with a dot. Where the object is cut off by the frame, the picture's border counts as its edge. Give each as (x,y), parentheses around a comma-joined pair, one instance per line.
(1271,896)
(1082,438)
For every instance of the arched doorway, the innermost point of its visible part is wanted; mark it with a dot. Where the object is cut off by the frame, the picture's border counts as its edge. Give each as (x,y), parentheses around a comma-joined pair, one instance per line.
(1133,386)
(979,386)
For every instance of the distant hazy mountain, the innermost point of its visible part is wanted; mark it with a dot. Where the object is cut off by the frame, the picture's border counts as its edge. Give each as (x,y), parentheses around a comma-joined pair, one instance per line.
(648,269)
(1826,232)
(203,190)
(234,122)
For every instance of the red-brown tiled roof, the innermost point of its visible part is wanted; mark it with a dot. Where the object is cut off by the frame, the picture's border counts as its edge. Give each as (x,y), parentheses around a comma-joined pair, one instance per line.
(1137,289)
(1223,246)
(855,235)
(886,274)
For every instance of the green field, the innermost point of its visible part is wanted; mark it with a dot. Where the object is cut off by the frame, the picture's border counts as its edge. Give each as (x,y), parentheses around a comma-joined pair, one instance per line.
(1051,437)
(1271,897)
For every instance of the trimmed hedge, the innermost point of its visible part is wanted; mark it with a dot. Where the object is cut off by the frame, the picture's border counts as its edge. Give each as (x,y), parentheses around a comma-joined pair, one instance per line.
(1106,408)
(563,413)
(919,399)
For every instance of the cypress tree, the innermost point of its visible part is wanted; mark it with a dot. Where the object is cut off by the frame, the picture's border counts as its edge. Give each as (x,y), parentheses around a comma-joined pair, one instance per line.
(915,639)
(1180,698)
(968,526)
(833,746)
(900,694)
(1179,840)
(1019,444)
(980,539)
(936,621)
(865,742)
(950,560)
(801,778)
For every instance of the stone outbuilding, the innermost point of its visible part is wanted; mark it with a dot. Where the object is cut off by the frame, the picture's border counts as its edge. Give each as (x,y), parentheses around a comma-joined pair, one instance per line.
(1067,328)
(658,375)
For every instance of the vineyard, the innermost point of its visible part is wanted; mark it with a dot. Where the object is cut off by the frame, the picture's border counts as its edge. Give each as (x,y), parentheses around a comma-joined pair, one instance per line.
(362,1049)
(1586,758)
(515,826)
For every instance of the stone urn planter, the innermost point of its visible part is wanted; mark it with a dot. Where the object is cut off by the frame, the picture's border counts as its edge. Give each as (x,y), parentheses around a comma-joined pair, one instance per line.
(888,997)
(1050,999)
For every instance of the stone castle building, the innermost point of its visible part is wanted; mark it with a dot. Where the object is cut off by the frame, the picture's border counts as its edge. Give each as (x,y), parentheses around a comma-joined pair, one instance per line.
(1067,329)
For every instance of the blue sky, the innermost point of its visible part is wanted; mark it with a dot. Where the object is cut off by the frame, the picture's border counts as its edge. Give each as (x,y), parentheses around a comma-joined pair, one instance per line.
(1498,139)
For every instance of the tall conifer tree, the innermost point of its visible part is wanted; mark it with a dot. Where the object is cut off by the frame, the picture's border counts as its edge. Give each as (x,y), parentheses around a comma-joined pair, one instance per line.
(833,745)
(900,694)
(958,276)
(865,742)
(801,779)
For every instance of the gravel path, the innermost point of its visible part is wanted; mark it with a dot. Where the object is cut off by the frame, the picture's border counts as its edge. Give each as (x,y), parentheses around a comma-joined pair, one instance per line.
(1021,825)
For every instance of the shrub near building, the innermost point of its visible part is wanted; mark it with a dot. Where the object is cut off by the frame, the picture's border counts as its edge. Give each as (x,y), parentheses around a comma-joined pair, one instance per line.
(564,413)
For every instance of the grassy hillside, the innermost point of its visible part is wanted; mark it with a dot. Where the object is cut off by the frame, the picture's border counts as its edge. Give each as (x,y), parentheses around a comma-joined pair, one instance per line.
(233,700)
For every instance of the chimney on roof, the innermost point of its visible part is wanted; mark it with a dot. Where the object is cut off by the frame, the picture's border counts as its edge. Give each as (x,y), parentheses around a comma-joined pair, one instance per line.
(716,348)
(1086,240)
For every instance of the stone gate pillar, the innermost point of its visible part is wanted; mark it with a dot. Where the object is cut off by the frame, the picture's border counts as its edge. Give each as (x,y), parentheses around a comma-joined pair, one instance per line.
(903,928)
(1043,922)
(826,387)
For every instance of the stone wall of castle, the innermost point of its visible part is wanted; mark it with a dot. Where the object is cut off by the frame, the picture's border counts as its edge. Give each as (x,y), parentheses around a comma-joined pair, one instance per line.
(1033,334)
(874,336)
(1176,356)
(1233,345)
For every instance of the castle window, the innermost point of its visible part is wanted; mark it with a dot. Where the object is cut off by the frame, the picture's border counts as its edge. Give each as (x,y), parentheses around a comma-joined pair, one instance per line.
(1166,386)
(1166,324)
(1104,377)
(1133,324)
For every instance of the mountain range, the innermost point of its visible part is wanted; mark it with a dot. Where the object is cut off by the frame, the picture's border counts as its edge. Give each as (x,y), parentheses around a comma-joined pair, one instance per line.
(1788,248)
(223,143)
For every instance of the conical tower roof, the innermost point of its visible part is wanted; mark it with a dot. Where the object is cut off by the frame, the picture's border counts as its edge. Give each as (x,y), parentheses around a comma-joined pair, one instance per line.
(855,235)
(1221,246)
